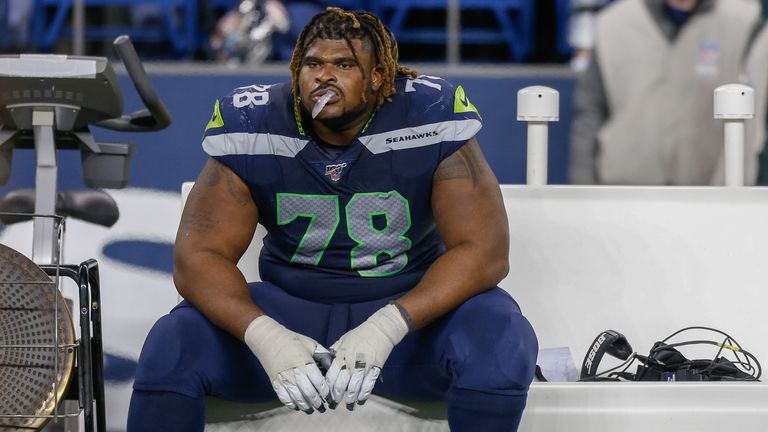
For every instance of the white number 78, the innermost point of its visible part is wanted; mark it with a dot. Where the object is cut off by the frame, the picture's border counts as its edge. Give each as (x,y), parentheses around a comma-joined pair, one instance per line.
(419,80)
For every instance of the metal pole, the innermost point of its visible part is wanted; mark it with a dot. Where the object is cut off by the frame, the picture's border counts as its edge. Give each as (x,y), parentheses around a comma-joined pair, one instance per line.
(78,27)
(453,42)
(538,136)
(734,153)
(44,238)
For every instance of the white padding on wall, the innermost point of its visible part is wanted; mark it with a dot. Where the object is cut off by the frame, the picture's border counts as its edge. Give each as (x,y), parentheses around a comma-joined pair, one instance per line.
(642,261)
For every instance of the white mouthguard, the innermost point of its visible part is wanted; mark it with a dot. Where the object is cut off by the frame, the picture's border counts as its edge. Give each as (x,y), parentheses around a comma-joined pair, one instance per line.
(322,102)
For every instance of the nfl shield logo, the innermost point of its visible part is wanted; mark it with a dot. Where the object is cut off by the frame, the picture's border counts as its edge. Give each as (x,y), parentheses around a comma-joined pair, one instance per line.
(708,63)
(333,171)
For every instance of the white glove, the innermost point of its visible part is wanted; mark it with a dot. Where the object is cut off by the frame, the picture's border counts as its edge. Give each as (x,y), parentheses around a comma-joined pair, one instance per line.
(363,350)
(287,357)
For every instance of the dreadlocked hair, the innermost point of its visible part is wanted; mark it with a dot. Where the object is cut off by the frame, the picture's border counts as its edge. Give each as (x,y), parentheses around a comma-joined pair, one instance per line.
(336,23)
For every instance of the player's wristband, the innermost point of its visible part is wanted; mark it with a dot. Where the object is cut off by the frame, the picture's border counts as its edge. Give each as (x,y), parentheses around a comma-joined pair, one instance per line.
(406,316)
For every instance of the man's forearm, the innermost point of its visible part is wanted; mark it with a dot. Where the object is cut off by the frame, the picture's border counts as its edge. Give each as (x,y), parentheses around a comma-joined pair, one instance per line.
(218,289)
(461,273)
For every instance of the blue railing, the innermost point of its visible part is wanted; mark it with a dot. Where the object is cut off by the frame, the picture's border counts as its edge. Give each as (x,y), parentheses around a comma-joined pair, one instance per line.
(512,25)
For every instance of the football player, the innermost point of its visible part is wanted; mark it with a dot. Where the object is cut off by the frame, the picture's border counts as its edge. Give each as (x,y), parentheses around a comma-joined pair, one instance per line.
(387,236)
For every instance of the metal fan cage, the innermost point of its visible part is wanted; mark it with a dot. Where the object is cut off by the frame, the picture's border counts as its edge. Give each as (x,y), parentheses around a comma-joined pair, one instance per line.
(40,356)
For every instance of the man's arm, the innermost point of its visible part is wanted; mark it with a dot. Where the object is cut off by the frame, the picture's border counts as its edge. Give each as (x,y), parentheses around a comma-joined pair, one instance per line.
(216,228)
(470,216)
(589,114)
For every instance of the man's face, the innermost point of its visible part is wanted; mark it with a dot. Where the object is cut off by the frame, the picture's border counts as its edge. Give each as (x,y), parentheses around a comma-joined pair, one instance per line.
(329,64)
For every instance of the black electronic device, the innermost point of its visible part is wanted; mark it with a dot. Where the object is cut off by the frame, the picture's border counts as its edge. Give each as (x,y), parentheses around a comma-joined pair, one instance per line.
(665,362)
(52,100)
(48,103)
(85,87)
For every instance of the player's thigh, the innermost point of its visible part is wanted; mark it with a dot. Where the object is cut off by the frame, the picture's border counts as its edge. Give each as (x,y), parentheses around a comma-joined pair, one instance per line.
(188,354)
(489,344)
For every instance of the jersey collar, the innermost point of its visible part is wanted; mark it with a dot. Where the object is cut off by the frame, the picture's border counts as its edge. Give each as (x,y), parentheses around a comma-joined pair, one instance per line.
(300,123)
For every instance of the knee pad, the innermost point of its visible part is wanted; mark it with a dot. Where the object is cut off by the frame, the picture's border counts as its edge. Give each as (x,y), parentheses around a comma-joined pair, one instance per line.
(169,350)
(496,347)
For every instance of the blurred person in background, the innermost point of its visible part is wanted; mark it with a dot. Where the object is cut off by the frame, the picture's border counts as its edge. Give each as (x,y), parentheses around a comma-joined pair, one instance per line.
(261,30)
(581,30)
(246,34)
(3,25)
(15,18)
(644,107)
(299,13)
(758,68)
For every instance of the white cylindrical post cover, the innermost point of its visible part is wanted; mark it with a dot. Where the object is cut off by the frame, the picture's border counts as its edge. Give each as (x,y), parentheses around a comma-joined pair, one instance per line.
(734,101)
(536,163)
(538,103)
(734,153)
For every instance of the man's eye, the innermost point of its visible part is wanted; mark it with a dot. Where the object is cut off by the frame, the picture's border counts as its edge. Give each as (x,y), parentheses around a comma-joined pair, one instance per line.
(345,65)
(311,64)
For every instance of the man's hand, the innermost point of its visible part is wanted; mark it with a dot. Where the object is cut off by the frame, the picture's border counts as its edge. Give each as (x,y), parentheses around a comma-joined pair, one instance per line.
(363,350)
(287,357)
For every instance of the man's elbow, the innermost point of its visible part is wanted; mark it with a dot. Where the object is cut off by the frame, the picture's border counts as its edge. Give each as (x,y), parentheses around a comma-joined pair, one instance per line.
(495,267)
(504,269)
(179,276)
(183,266)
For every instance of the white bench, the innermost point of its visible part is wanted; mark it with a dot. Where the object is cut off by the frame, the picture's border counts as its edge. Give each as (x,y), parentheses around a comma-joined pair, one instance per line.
(645,262)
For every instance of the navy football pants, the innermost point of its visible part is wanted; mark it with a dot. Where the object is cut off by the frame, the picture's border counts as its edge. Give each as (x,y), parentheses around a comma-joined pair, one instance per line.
(479,357)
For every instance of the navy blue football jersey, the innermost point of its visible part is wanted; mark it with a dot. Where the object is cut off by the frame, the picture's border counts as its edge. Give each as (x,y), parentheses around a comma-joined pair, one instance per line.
(350,225)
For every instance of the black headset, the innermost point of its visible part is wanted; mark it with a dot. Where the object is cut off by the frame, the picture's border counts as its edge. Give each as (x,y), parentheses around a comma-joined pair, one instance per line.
(665,363)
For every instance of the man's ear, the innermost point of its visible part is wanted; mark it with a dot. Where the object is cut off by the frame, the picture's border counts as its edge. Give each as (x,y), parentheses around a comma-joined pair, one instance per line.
(377,78)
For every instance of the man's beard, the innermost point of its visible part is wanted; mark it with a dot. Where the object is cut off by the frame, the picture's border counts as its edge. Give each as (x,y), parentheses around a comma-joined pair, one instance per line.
(343,121)
(340,122)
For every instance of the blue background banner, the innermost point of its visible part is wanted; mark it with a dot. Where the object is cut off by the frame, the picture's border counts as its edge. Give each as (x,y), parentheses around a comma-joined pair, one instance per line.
(165,159)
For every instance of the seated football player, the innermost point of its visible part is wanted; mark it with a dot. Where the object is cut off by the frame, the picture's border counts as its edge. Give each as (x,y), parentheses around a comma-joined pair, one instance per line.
(387,237)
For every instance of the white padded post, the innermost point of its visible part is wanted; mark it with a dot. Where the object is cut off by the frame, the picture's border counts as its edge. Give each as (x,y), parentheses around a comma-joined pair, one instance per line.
(538,106)
(734,103)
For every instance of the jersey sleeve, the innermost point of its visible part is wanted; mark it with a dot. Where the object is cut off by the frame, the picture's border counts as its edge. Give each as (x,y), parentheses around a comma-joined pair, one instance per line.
(235,118)
(466,119)
(447,106)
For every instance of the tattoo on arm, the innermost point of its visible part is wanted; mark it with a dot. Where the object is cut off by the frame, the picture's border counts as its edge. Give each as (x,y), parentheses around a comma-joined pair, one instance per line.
(211,174)
(197,220)
(463,164)
(240,197)
(197,216)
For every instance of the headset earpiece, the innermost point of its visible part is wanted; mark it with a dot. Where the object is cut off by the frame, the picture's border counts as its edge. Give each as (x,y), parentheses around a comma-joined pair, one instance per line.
(620,348)
(609,341)
(667,356)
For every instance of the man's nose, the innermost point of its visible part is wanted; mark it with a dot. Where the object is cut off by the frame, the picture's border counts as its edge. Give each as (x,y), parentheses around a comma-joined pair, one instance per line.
(326,74)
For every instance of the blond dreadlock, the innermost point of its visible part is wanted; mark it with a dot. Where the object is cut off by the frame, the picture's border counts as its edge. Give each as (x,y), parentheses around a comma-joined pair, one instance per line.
(337,23)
